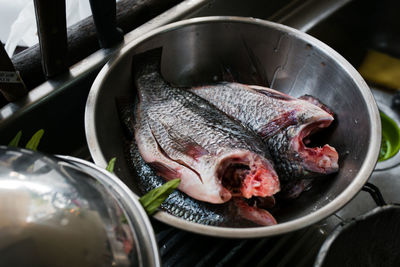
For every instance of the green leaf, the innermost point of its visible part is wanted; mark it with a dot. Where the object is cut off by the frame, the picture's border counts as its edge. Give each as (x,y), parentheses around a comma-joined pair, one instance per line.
(153,199)
(15,141)
(111,164)
(33,143)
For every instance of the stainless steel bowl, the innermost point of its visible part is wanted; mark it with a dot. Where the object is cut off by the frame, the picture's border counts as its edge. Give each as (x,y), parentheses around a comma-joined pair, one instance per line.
(64,211)
(293,62)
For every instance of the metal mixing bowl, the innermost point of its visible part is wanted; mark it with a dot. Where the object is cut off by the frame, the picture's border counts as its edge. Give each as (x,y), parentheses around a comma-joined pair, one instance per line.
(290,61)
(64,211)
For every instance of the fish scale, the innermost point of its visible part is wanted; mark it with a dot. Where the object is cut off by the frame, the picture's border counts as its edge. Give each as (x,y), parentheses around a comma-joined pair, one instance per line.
(283,151)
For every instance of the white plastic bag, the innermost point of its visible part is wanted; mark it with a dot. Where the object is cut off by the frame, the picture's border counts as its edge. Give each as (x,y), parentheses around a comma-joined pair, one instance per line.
(23,30)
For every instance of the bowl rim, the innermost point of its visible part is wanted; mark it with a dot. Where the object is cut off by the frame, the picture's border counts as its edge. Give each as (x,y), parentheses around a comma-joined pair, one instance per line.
(317,215)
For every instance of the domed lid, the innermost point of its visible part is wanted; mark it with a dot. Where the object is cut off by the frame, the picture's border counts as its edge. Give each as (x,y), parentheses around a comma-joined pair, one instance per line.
(64,211)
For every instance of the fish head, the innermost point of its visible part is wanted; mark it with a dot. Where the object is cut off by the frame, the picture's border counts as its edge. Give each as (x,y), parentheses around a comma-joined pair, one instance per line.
(320,159)
(295,159)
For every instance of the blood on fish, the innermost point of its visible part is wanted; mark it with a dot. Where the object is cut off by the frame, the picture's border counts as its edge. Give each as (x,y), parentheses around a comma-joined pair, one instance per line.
(248,177)
(259,183)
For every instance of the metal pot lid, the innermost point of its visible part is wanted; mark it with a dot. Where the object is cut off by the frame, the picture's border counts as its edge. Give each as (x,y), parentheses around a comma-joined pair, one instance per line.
(64,211)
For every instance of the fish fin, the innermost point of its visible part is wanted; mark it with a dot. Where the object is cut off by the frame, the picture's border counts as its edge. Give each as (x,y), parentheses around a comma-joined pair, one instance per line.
(271,93)
(317,102)
(254,214)
(274,126)
(164,170)
(194,150)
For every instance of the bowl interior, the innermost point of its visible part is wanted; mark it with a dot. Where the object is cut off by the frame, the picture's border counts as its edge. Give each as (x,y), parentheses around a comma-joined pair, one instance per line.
(253,52)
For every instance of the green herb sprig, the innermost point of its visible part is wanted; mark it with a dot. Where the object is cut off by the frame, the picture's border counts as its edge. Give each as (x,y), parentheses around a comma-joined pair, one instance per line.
(111,165)
(154,198)
(15,141)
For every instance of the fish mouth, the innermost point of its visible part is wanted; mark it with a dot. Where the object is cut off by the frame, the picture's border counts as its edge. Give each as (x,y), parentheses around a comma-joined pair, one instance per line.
(322,159)
(246,175)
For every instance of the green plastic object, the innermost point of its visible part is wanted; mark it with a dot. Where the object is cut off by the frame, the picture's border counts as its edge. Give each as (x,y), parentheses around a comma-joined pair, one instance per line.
(390,138)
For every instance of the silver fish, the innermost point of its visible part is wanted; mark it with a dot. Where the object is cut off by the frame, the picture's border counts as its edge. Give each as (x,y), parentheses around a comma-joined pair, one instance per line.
(283,122)
(180,135)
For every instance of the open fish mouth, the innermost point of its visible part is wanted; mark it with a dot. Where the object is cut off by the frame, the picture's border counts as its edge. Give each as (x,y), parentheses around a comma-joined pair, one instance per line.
(246,175)
(316,159)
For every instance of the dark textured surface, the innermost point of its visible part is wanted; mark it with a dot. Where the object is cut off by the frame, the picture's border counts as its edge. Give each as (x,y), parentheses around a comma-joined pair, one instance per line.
(181,248)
